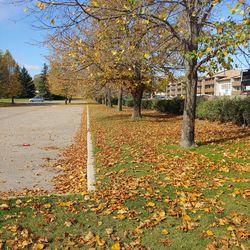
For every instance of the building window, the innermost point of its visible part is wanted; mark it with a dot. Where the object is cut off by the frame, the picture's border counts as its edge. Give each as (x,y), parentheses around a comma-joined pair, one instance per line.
(209,79)
(209,86)
(225,86)
(237,88)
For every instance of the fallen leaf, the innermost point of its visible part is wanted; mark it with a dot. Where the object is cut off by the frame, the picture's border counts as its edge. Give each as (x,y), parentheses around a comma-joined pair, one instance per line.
(4,206)
(116,246)
(38,246)
(165,232)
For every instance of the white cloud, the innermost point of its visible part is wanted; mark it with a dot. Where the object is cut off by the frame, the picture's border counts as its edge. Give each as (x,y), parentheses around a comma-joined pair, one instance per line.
(32,67)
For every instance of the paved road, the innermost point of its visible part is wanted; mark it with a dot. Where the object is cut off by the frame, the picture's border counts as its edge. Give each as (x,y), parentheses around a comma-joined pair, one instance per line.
(48,129)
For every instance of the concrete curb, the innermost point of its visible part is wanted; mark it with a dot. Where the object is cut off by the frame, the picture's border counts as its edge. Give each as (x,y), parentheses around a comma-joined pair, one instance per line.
(90,159)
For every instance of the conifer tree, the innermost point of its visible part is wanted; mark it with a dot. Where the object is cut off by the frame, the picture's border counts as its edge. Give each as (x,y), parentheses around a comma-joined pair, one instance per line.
(41,82)
(28,87)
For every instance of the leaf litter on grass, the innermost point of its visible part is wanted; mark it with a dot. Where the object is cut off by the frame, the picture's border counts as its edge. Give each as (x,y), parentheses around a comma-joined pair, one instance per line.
(149,196)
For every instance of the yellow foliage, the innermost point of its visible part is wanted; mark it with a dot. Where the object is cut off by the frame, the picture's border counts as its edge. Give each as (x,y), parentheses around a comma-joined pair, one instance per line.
(116,246)
(41,5)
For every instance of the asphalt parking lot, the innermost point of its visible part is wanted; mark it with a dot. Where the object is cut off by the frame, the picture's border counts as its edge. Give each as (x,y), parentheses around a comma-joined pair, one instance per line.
(32,138)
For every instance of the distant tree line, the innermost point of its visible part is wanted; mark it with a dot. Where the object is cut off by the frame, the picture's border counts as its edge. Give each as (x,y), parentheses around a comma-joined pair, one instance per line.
(16,82)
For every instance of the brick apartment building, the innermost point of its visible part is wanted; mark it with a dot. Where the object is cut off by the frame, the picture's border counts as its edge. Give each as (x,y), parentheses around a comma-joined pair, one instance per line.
(226,83)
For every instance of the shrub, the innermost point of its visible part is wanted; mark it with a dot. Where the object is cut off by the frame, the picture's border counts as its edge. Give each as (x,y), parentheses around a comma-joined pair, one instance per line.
(147,104)
(115,101)
(57,97)
(236,110)
(174,106)
(129,102)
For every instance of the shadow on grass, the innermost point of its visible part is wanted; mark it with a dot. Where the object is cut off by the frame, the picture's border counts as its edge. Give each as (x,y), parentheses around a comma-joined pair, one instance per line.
(224,139)
(153,116)
(162,117)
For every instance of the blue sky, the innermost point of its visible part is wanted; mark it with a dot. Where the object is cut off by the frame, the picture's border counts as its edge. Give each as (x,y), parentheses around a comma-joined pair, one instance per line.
(20,38)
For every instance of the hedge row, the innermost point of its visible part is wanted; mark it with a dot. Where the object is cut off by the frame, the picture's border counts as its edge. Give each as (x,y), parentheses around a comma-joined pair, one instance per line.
(174,106)
(235,110)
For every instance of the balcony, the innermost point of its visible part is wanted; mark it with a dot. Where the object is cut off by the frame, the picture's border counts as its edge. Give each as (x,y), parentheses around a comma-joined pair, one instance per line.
(236,84)
(209,82)
(209,91)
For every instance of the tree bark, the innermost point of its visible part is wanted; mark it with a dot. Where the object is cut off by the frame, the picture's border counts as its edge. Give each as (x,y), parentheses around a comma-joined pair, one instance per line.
(12,100)
(110,104)
(70,99)
(106,96)
(188,125)
(105,100)
(137,97)
(119,107)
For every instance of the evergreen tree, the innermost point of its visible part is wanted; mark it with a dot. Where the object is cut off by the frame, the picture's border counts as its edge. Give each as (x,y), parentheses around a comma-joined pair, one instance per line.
(41,82)
(28,87)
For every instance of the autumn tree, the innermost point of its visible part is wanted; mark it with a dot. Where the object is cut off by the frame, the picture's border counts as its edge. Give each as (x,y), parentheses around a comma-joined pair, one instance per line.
(206,42)
(118,50)
(10,85)
(62,78)
(124,47)
(203,40)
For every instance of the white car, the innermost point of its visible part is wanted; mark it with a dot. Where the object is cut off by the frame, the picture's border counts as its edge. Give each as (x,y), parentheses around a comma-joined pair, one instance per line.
(36,99)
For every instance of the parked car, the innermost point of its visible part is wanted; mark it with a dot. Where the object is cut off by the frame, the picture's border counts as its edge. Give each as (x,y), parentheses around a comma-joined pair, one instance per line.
(36,99)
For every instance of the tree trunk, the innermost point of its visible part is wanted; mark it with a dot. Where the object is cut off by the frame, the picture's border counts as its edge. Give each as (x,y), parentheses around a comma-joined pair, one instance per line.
(12,100)
(188,126)
(110,104)
(137,97)
(106,97)
(66,100)
(119,107)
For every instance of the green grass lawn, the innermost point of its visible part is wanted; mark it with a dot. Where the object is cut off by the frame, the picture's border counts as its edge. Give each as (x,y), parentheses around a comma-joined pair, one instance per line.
(4,101)
(152,194)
